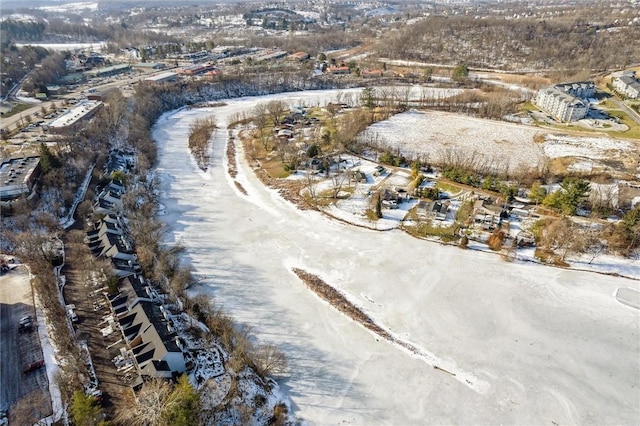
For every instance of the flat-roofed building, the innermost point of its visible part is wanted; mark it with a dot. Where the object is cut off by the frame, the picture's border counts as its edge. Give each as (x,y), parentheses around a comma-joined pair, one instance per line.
(148,66)
(109,71)
(162,78)
(298,56)
(82,111)
(195,69)
(18,176)
(344,70)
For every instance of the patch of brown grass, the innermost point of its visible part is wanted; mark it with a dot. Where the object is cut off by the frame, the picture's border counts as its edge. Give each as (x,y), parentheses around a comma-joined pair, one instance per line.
(550,258)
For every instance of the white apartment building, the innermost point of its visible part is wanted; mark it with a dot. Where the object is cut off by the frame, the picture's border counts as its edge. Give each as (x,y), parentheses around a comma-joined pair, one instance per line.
(567,101)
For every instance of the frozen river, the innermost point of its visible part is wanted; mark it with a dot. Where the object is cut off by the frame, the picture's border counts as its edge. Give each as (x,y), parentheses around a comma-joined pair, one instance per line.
(538,344)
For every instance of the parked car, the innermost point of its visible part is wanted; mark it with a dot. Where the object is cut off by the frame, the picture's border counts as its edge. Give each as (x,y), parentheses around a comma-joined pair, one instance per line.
(36,365)
(25,324)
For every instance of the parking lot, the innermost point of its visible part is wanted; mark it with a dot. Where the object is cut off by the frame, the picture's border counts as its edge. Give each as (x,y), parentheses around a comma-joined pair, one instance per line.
(22,374)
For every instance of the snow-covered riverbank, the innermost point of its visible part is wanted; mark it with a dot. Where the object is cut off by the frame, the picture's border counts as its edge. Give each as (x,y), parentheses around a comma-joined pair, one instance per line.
(551,345)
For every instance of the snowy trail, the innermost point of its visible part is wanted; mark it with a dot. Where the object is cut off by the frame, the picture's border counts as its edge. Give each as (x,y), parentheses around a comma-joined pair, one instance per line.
(538,336)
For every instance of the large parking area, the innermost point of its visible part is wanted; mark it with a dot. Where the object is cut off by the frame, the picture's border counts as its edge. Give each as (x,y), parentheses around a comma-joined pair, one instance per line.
(22,379)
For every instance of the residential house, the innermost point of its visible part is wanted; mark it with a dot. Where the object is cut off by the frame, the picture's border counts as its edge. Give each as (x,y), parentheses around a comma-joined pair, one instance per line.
(358,176)
(112,246)
(434,210)
(285,134)
(487,216)
(109,200)
(131,291)
(390,199)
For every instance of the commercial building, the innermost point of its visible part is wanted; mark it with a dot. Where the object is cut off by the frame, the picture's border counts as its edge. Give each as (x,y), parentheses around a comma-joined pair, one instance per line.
(195,69)
(82,111)
(165,77)
(18,176)
(109,71)
(149,66)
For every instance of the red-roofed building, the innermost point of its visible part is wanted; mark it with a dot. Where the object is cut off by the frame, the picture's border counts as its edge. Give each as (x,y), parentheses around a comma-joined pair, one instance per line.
(298,56)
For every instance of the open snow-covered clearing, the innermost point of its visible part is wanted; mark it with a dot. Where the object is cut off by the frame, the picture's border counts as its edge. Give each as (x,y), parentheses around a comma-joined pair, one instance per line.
(551,345)
(435,135)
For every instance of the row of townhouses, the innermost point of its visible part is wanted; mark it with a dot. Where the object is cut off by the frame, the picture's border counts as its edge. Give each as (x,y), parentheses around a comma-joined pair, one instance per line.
(566,102)
(152,344)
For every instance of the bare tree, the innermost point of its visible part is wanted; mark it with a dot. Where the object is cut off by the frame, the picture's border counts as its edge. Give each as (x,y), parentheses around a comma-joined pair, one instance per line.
(30,409)
(148,407)
(260,120)
(337,183)
(312,187)
(561,237)
(269,360)
(275,109)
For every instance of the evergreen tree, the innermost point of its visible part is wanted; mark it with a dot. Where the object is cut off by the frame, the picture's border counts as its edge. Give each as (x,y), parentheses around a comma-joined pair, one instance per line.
(48,160)
(460,72)
(86,410)
(183,405)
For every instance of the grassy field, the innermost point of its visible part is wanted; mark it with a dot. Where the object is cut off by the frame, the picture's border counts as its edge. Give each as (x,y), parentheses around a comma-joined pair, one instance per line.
(447,187)
(634,128)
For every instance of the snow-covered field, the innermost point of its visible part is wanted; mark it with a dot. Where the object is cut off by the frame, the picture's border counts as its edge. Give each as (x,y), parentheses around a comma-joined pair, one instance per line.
(435,135)
(603,148)
(547,345)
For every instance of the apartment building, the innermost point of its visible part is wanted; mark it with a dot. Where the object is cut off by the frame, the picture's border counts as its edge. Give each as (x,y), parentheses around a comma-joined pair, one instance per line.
(567,101)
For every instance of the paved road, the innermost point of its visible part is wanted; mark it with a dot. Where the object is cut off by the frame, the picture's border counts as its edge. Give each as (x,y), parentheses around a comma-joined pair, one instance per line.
(630,111)
(7,123)
(17,350)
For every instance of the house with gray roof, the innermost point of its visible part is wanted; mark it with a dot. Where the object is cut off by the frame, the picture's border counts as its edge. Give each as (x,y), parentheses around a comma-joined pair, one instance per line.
(152,340)
(627,85)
